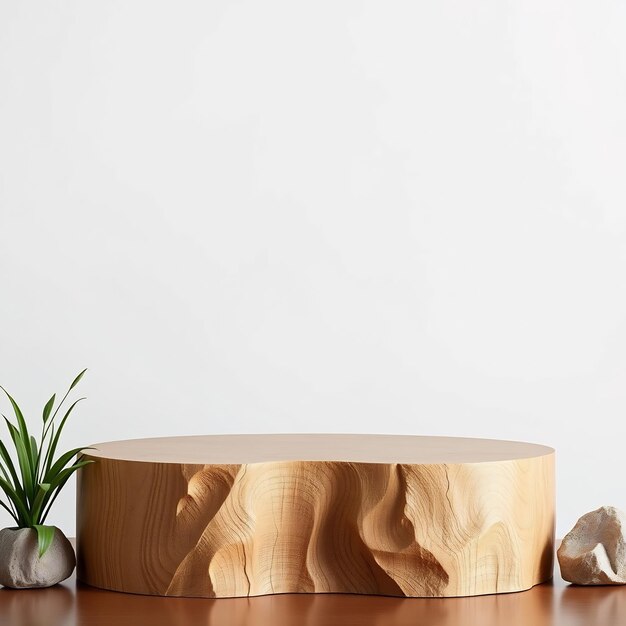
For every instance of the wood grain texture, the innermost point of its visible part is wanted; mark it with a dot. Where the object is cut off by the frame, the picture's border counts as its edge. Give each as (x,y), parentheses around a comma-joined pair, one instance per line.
(437,522)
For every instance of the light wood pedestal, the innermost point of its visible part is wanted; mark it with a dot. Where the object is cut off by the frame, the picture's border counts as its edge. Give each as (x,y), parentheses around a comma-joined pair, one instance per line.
(243,515)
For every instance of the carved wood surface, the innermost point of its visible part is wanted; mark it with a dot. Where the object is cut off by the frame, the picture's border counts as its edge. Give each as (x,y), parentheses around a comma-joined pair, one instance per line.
(223,516)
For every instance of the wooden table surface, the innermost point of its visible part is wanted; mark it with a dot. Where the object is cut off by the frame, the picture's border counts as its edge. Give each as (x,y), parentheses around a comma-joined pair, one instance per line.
(355,448)
(549,604)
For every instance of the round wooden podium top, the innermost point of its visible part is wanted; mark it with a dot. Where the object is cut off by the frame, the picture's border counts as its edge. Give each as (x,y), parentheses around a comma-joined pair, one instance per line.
(245,449)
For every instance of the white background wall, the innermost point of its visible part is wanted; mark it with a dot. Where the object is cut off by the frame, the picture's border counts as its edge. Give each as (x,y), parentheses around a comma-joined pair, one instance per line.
(403,217)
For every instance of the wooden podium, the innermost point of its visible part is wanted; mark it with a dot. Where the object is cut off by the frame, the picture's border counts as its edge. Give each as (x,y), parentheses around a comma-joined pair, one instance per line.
(243,515)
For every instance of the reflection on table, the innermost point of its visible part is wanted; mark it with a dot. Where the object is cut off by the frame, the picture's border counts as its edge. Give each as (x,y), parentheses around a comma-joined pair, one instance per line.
(554,603)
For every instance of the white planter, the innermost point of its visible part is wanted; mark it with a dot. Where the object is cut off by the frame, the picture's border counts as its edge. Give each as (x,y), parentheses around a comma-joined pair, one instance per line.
(21,566)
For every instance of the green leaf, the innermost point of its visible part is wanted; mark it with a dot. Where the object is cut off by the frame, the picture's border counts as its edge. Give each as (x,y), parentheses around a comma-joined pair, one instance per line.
(33,448)
(67,393)
(35,510)
(5,473)
(48,408)
(44,461)
(45,535)
(55,439)
(77,379)
(18,501)
(8,462)
(11,513)
(61,462)
(22,447)
(34,455)
(23,429)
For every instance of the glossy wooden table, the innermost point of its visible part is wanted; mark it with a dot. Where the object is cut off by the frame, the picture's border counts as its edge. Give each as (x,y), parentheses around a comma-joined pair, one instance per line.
(549,604)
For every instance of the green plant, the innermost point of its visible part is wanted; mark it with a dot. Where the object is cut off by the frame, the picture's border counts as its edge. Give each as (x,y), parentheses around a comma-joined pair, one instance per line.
(32,485)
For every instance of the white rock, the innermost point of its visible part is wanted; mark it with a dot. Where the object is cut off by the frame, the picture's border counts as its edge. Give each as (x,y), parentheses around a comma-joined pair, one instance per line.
(594,551)
(20,564)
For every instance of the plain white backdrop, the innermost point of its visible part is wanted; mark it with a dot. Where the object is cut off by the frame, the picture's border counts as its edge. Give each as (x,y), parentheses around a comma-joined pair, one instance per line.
(399,217)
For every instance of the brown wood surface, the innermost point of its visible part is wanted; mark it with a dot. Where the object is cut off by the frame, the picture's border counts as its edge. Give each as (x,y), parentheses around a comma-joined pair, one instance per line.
(229,516)
(357,448)
(550,604)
